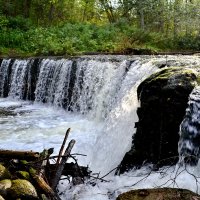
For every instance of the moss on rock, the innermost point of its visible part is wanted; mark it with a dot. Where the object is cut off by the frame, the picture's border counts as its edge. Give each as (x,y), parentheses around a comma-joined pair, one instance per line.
(4,185)
(159,194)
(23,175)
(4,173)
(1,198)
(22,189)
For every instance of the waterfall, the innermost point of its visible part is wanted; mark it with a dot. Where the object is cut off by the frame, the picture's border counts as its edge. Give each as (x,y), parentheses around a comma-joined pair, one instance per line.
(101,89)
(189,143)
(19,75)
(120,123)
(88,86)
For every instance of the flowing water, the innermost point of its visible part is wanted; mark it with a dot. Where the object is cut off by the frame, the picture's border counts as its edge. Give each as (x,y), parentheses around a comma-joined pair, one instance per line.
(94,96)
(189,143)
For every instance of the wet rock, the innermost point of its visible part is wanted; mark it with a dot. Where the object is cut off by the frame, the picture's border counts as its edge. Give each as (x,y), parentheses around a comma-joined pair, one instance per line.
(22,189)
(1,198)
(4,112)
(4,185)
(4,173)
(163,96)
(159,194)
(23,175)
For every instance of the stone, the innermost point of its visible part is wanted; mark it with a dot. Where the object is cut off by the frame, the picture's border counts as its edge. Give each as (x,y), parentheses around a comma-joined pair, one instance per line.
(163,96)
(4,173)
(22,189)
(4,112)
(23,175)
(1,198)
(159,194)
(4,185)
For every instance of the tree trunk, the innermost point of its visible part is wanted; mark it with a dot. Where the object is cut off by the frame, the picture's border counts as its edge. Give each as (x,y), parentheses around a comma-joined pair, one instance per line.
(27,7)
(51,13)
(142,25)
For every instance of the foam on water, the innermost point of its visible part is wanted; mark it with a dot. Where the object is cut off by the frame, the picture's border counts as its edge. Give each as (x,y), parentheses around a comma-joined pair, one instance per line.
(174,177)
(36,126)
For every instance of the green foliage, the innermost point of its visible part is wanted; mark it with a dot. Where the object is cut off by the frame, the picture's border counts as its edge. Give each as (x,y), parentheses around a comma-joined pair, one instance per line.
(59,27)
(83,37)
(19,22)
(188,42)
(3,22)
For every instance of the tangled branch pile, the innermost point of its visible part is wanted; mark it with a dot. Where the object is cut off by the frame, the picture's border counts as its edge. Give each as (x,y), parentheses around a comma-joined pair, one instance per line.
(32,175)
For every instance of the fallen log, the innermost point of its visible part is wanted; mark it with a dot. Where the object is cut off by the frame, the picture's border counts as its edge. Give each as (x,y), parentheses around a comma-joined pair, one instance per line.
(22,155)
(41,183)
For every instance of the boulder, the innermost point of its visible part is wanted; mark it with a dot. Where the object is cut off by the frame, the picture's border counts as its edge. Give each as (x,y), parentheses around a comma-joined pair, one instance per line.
(4,173)
(163,96)
(22,189)
(23,175)
(159,194)
(1,198)
(4,185)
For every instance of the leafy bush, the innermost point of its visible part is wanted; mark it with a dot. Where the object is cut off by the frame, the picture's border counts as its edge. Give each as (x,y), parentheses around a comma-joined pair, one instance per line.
(188,42)
(17,35)
(3,22)
(19,22)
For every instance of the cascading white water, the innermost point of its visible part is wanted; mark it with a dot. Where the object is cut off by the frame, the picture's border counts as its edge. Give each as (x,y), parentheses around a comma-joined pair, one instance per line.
(18,77)
(120,123)
(189,143)
(94,87)
(53,81)
(95,92)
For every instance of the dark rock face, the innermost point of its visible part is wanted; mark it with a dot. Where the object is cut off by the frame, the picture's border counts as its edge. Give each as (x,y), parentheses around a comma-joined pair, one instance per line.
(164,96)
(32,78)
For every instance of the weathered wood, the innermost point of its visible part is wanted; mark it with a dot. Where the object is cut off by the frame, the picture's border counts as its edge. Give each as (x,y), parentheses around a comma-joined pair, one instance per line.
(44,156)
(27,155)
(41,183)
(70,169)
(63,146)
(61,166)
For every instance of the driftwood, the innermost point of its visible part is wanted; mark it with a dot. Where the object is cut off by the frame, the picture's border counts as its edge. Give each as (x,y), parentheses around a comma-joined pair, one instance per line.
(41,183)
(62,165)
(44,174)
(28,155)
(62,147)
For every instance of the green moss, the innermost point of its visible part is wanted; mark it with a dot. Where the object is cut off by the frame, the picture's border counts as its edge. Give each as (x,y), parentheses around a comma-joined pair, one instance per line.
(24,162)
(23,175)
(164,194)
(198,80)
(171,73)
(32,171)
(4,173)
(4,185)
(22,189)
